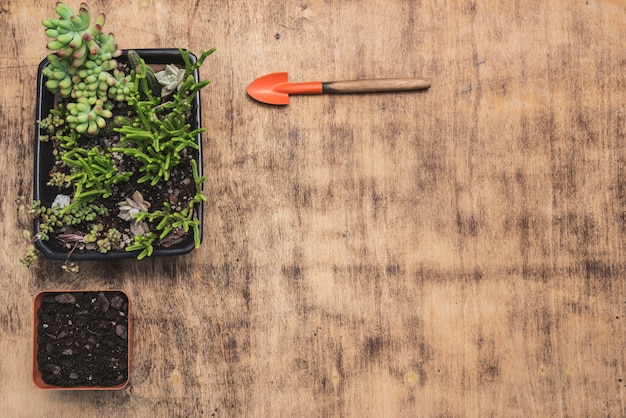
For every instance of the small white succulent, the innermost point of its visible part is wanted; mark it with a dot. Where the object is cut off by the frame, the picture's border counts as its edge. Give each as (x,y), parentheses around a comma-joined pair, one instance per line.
(130,206)
(140,228)
(170,78)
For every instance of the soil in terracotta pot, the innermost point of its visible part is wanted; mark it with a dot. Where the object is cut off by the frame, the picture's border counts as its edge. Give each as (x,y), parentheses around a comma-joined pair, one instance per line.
(83,339)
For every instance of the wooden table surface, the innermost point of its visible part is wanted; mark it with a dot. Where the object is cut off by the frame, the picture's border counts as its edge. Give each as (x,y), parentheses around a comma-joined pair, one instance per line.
(450,253)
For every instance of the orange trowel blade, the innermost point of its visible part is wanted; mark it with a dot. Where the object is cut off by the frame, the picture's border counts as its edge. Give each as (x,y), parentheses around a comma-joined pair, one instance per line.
(275,88)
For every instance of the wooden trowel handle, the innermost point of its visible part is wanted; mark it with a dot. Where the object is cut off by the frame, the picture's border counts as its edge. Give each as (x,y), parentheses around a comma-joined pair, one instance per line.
(375,85)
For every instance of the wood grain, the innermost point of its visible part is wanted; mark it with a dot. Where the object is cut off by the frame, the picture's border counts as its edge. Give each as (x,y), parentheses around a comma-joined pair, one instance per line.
(448,253)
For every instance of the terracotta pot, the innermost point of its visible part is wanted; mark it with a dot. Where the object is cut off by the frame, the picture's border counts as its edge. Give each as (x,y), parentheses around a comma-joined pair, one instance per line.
(86,343)
(44,161)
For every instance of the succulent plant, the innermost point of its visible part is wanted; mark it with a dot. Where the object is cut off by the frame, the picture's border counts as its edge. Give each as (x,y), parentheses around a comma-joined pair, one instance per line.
(59,73)
(107,49)
(83,117)
(145,72)
(75,37)
(60,180)
(54,121)
(93,81)
(170,78)
(108,241)
(97,238)
(122,87)
(30,257)
(131,206)
(81,64)
(70,267)
(93,235)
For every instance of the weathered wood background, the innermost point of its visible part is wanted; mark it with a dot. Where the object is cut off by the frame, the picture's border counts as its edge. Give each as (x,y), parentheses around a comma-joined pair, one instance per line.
(456,252)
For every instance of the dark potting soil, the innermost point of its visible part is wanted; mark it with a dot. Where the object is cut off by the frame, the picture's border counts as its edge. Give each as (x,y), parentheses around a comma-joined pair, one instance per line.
(83,339)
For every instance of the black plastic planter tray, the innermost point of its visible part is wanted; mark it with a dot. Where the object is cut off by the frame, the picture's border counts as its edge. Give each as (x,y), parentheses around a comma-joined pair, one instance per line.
(44,162)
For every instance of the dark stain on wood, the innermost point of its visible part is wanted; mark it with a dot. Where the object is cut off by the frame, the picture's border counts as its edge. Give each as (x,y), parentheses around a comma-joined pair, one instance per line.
(488,363)
(231,354)
(466,224)
(11,319)
(302,195)
(600,275)
(338,146)
(394,269)
(372,347)
(292,272)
